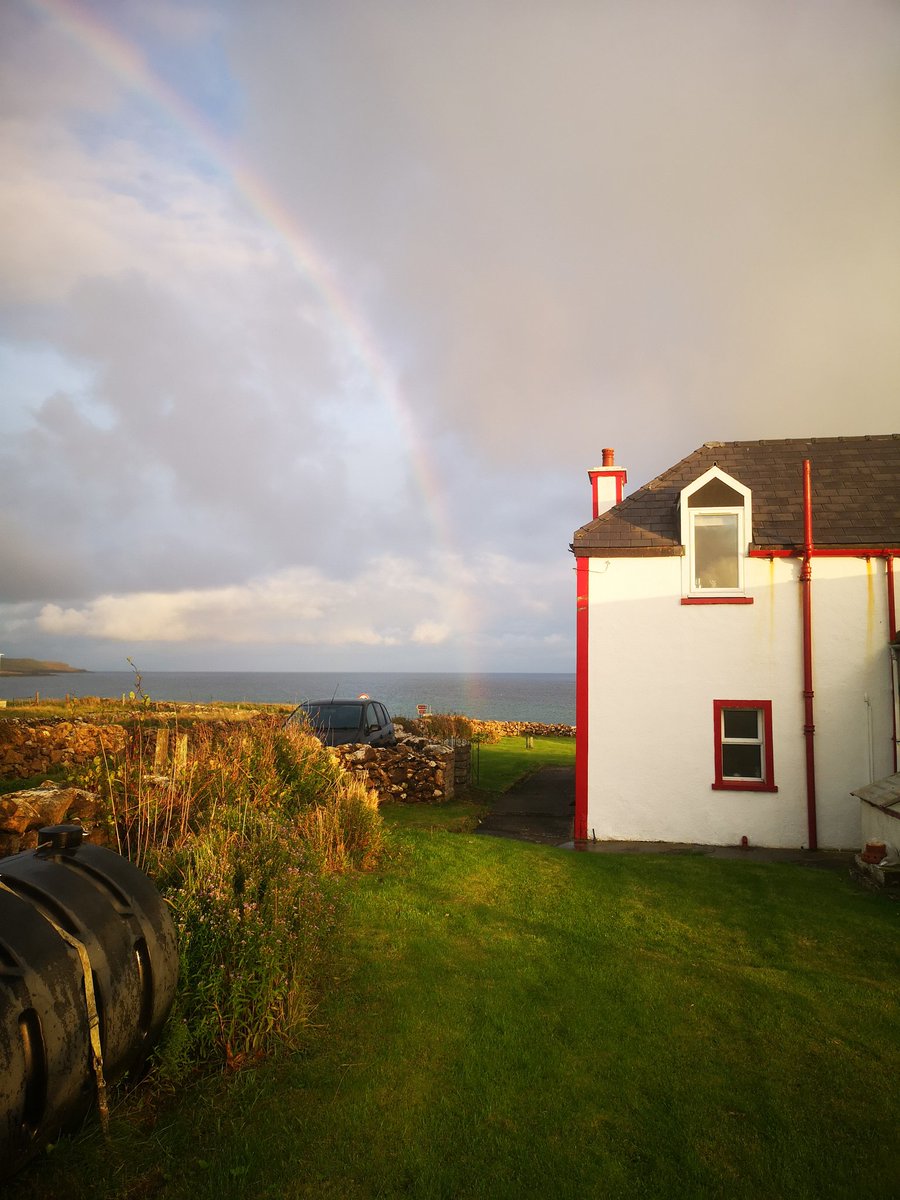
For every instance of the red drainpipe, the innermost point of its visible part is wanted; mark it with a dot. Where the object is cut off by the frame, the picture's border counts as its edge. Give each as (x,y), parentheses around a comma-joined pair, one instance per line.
(582,568)
(809,728)
(892,633)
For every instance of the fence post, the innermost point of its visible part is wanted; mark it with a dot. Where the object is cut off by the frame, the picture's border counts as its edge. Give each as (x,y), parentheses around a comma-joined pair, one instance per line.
(181,746)
(161,756)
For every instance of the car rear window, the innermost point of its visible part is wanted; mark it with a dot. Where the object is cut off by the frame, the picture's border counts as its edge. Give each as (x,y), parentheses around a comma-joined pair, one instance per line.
(334,716)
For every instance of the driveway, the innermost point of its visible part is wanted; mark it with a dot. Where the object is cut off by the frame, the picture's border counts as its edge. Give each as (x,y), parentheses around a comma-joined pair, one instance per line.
(539,808)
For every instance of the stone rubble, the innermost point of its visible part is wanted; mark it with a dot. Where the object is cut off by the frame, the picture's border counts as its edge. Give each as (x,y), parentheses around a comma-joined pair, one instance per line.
(34,747)
(415,771)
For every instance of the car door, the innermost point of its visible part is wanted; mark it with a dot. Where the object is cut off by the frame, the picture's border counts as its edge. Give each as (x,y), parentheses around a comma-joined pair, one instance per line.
(390,734)
(374,728)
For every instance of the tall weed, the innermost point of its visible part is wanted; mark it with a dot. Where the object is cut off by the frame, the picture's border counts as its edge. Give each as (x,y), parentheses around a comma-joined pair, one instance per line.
(242,827)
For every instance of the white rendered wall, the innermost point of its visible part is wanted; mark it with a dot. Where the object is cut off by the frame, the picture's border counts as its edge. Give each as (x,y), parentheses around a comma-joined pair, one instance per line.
(656,666)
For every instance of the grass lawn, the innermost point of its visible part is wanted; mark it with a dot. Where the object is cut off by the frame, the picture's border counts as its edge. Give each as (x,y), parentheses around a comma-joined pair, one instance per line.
(501,764)
(509,1020)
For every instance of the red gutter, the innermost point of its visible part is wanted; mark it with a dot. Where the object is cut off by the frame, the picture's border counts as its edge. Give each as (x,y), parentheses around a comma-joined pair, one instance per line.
(582,575)
(828,552)
(809,728)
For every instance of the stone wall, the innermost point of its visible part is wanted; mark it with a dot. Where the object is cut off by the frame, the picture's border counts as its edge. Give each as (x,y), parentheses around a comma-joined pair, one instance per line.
(522,728)
(416,770)
(439,725)
(35,747)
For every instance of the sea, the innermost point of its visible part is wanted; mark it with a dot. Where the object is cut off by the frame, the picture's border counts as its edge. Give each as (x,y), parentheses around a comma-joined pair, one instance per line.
(545,697)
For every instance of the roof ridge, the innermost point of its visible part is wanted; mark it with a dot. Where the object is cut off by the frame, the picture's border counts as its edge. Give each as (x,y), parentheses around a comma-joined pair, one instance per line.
(813,441)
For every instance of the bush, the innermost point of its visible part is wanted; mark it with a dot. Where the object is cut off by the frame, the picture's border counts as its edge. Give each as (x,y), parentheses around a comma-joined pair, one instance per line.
(242,828)
(442,726)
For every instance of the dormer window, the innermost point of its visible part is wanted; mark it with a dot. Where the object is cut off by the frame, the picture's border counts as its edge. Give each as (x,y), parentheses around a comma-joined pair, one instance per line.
(715,531)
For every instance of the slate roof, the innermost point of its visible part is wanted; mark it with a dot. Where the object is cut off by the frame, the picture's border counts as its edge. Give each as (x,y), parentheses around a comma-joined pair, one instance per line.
(855,484)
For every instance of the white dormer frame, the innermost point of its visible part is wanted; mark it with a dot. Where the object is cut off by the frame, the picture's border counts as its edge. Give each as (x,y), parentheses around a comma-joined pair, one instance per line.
(688,514)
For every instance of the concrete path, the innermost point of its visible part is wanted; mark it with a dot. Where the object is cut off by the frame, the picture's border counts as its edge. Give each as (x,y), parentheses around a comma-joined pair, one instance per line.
(829,860)
(539,808)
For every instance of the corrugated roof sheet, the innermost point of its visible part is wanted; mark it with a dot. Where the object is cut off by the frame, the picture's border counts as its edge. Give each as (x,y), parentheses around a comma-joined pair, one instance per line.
(855,496)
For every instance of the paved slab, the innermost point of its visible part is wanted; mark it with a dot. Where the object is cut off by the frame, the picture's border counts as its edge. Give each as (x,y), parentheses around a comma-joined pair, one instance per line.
(833,860)
(539,808)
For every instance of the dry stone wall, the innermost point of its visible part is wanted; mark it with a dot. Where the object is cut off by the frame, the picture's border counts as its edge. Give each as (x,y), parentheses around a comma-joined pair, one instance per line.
(416,770)
(439,725)
(522,729)
(35,747)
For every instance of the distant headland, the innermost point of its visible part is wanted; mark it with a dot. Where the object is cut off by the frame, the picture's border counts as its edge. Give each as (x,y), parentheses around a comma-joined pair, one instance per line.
(35,666)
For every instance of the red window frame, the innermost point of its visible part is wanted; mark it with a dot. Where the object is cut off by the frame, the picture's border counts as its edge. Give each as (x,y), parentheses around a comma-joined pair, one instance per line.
(726,784)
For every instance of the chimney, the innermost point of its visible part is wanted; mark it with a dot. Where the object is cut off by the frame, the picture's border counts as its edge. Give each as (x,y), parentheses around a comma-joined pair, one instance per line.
(607,482)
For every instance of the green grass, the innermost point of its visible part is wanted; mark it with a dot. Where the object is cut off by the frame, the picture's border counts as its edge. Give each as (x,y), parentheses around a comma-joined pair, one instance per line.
(503,763)
(509,1020)
(55,775)
(455,816)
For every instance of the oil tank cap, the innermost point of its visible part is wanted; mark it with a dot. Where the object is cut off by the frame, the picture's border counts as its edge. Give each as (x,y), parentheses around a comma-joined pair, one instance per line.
(55,839)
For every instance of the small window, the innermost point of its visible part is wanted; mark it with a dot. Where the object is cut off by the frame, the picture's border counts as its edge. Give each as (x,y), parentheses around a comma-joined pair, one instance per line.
(715,531)
(716,547)
(744,758)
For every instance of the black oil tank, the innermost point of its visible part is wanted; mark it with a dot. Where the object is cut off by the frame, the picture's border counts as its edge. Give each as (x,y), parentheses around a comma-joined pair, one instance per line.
(98,898)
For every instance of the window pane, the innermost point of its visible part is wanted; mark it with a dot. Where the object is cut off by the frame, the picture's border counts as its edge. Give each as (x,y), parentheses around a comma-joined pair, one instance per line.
(716,494)
(741,762)
(740,722)
(716,550)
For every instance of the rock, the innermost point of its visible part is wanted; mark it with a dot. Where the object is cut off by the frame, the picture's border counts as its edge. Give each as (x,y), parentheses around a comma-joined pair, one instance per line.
(23,813)
(413,771)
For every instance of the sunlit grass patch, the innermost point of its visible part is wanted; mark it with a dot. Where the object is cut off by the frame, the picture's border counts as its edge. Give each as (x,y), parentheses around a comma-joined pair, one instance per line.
(501,764)
(453,816)
(507,1020)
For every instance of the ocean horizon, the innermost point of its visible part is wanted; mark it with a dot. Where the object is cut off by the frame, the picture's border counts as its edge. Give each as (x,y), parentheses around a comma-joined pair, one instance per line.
(546,697)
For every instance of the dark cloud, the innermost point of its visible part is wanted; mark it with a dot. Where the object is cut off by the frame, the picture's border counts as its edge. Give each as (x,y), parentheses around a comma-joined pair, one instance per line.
(620,214)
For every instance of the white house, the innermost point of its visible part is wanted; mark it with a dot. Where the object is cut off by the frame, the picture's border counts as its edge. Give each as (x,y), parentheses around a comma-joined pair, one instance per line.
(735,621)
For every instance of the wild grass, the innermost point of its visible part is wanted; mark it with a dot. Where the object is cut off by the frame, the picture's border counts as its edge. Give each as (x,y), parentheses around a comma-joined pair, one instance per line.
(512,1021)
(56,775)
(242,828)
(133,707)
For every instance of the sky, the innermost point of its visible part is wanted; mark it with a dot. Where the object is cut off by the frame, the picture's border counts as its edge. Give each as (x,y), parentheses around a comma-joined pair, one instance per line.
(313,317)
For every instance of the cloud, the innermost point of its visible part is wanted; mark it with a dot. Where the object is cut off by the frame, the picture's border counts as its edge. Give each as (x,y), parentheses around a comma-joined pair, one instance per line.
(431,633)
(605,221)
(553,228)
(383,604)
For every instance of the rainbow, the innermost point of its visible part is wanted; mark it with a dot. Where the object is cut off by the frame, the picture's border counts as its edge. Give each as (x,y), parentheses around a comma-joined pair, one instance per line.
(124,60)
(119,56)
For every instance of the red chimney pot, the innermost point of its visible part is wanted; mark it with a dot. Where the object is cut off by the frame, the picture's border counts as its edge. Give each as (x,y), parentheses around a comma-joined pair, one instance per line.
(609,456)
